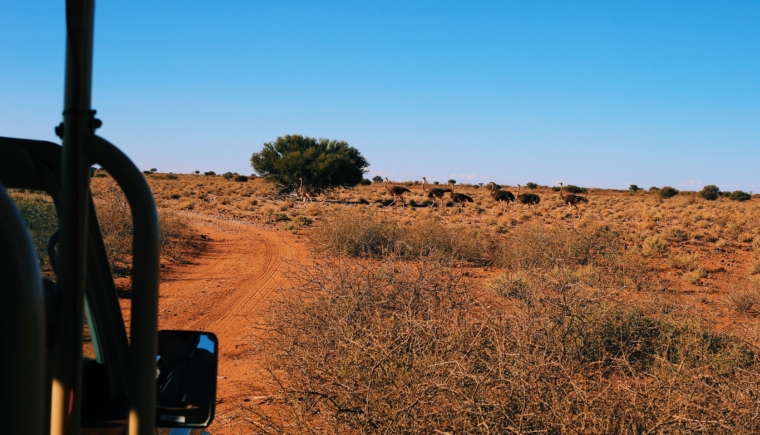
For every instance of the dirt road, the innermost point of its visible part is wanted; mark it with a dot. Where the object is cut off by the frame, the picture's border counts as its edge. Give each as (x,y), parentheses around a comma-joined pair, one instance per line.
(225,290)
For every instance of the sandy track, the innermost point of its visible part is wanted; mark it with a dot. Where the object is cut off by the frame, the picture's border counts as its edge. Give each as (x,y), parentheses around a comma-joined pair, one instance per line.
(225,290)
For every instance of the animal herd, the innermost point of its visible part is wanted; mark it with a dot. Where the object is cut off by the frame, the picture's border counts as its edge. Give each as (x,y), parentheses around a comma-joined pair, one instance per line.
(436,195)
(503,197)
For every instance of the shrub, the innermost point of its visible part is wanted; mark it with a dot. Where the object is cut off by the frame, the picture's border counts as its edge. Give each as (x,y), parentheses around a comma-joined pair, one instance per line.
(452,182)
(710,192)
(742,301)
(693,276)
(366,182)
(209,173)
(365,234)
(42,221)
(323,164)
(241,178)
(556,188)
(654,189)
(653,245)
(668,192)
(228,175)
(725,194)
(436,183)
(377,179)
(687,262)
(738,195)
(575,189)
(147,172)
(675,234)
(531,185)
(414,349)
(634,188)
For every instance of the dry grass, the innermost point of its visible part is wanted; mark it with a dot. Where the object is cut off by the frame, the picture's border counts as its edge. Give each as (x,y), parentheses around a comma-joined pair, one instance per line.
(115,222)
(415,348)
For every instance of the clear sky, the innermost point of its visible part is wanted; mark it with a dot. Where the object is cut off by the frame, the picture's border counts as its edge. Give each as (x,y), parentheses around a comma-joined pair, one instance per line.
(600,94)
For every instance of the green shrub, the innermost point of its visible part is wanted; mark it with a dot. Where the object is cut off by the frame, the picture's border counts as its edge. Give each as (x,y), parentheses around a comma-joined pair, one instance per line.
(654,189)
(531,185)
(575,189)
(668,192)
(377,179)
(738,195)
(556,188)
(452,181)
(436,183)
(725,194)
(634,188)
(209,173)
(241,178)
(710,192)
(366,182)
(228,175)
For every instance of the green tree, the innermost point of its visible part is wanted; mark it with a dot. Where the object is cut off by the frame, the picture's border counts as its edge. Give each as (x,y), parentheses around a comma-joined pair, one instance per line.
(531,185)
(710,192)
(452,181)
(228,175)
(668,192)
(377,179)
(633,188)
(322,163)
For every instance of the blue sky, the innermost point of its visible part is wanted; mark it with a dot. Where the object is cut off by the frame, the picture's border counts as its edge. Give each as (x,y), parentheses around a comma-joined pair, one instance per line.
(601,94)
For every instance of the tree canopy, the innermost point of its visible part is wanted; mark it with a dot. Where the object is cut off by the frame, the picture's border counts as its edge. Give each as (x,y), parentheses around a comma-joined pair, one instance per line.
(322,163)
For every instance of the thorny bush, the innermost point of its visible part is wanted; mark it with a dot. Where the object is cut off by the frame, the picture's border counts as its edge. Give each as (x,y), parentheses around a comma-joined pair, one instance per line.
(418,347)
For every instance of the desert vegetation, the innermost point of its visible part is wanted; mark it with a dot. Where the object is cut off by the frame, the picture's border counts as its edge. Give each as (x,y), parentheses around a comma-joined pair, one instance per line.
(569,334)
(638,314)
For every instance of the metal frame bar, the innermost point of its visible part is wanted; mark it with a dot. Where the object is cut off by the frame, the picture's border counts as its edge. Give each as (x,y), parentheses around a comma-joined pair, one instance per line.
(22,320)
(141,374)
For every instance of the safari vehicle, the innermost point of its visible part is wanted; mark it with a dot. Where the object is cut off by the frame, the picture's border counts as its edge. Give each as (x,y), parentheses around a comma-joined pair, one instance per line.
(138,380)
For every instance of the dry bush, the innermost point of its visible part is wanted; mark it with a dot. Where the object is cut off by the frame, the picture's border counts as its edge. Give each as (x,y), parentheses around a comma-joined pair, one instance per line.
(414,349)
(535,246)
(746,237)
(694,276)
(675,234)
(742,302)
(39,213)
(687,262)
(366,234)
(653,245)
(115,220)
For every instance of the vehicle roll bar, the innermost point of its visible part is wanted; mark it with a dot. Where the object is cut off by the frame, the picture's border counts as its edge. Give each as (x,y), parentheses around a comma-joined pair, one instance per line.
(141,372)
(22,324)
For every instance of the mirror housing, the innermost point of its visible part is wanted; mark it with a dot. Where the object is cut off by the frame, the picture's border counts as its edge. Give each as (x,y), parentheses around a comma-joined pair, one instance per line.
(186,367)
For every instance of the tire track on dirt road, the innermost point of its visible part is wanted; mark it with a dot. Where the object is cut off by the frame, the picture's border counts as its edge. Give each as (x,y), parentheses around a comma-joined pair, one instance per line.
(225,289)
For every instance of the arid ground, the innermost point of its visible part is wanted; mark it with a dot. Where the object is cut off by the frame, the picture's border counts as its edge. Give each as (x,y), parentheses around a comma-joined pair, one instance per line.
(249,247)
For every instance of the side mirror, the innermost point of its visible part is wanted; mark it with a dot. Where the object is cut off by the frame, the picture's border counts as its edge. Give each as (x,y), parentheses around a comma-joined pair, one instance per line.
(186,378)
